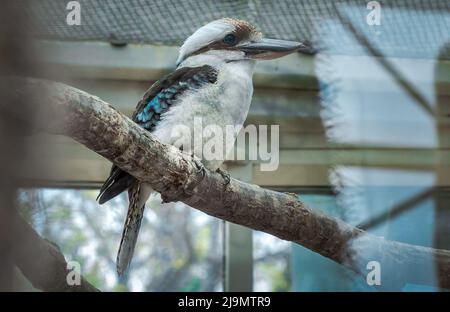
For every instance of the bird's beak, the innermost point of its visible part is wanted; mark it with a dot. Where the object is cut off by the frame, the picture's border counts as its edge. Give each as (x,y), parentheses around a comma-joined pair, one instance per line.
(268,49)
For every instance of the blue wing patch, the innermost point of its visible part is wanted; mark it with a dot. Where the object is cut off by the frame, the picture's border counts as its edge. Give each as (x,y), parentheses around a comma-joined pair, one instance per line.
(165,92)
(156,106)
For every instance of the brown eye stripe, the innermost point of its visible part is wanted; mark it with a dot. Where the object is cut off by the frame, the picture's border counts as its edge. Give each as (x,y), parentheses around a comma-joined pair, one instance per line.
(217,45)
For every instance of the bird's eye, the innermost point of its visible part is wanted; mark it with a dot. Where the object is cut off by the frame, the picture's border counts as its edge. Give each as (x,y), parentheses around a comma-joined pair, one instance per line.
(230,39)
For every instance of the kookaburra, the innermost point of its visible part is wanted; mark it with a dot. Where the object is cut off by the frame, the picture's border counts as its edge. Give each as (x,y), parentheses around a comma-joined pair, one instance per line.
(212,80)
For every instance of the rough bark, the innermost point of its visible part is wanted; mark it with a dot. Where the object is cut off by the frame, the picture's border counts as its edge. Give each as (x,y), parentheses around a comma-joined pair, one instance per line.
(92,122)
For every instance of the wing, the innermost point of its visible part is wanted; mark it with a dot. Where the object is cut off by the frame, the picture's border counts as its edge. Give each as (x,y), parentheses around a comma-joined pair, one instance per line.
(166,91)
(117,182)
(156,101)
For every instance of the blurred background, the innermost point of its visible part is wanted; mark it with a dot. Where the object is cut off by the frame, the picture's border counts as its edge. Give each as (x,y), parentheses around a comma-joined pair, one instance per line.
(364,136)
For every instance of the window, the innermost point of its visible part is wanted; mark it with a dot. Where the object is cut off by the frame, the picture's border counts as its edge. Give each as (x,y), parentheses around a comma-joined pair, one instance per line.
(405,213)
(179,248)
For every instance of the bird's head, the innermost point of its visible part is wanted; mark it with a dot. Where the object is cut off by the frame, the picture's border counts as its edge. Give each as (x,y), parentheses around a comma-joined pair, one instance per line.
(234,40)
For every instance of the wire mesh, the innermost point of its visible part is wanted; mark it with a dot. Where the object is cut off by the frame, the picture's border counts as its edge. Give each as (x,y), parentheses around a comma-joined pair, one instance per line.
(409,28)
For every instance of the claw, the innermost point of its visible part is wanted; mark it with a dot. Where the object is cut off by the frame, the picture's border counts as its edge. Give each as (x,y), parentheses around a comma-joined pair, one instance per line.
(225,175)
(199,165)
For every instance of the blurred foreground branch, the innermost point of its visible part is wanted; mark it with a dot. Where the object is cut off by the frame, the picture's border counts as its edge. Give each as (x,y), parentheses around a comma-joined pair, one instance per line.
(60,109)
(42,263)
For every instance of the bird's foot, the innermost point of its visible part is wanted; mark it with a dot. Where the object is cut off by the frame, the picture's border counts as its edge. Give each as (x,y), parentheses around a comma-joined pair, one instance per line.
(199,165)
(225,175)
(184,191)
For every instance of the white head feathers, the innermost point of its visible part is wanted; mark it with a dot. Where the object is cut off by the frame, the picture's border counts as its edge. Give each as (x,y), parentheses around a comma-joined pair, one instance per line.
(214,32)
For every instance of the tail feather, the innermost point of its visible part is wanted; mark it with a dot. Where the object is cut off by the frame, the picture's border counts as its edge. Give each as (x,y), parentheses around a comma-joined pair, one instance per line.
(138,194)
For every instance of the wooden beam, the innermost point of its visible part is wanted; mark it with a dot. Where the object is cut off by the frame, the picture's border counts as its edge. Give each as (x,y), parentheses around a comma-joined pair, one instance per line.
(57,158)
(100,60)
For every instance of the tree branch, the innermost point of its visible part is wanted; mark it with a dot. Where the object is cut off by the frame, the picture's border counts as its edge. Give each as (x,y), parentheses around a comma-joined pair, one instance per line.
(60,109)
(42,263)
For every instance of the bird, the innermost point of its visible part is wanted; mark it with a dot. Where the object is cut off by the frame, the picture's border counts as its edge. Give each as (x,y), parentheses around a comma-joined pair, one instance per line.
(212,80)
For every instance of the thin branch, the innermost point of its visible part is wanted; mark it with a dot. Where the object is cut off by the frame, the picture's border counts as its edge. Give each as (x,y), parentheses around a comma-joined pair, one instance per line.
(397,210)
(384,63)
(60,109)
